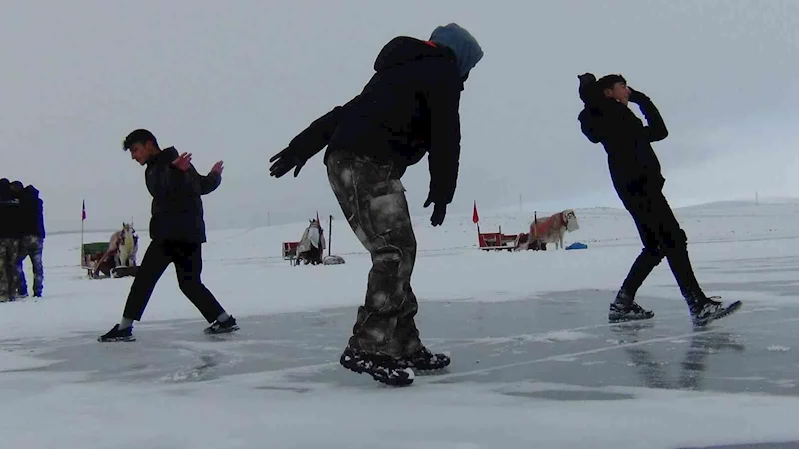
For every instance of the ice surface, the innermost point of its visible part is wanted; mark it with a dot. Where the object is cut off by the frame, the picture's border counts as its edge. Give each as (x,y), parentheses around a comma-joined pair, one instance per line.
(535,363)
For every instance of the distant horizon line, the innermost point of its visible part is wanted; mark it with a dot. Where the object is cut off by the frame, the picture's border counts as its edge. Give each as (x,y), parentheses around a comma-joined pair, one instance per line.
(500,210)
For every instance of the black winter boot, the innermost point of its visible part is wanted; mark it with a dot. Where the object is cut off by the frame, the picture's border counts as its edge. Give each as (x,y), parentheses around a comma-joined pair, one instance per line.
(425,360)
(382,368)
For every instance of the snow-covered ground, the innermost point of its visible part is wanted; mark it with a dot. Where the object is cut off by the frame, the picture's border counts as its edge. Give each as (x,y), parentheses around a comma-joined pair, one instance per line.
(526,315)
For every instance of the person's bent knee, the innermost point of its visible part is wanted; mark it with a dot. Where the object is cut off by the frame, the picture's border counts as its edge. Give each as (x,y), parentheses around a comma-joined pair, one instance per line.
(655,254)
(676,241)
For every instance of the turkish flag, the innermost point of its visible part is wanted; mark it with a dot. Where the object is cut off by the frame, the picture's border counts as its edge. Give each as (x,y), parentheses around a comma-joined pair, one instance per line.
(475,218)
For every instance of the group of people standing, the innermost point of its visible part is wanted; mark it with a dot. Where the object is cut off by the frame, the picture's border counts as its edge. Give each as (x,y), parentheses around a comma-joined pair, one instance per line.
(21,236)
(408,109)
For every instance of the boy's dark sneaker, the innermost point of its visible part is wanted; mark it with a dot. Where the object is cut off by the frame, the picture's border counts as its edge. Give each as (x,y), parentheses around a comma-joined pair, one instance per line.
(628,312)
(227,326)
(710,309)
(117,334)
(624,308)
(382,368)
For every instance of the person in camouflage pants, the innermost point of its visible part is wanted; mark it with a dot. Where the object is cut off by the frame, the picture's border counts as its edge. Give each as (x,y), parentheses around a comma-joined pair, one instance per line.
(408,109)
(9,239)
(372,198)
(32,242)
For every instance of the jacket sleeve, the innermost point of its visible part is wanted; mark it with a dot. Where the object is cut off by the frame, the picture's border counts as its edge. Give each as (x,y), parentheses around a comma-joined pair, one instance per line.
(209,182)
(169,182)
(317,135)
(443,101)
(656,127)
(589,126)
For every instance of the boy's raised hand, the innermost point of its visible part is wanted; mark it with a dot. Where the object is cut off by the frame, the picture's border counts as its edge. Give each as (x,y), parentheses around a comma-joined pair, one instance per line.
(183,162)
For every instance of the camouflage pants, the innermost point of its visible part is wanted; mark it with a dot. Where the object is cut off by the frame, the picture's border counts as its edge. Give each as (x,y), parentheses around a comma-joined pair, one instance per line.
(9,278)
(372,199)
(31,246)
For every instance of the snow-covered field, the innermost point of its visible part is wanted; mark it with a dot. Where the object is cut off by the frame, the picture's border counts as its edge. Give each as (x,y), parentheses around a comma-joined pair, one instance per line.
(98,403)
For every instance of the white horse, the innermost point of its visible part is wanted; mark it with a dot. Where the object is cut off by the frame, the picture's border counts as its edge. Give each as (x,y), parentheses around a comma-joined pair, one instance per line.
(312,244)
(125,242)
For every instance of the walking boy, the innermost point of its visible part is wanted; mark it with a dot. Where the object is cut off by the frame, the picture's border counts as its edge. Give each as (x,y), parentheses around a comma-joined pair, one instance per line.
(408,108)
(636,175)
(177,232)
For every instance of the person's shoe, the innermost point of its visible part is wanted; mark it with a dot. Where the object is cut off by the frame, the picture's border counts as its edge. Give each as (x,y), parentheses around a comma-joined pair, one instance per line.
(382,368)
(227,326)
(704,310)
(117,334)
(624,308)
(425,360)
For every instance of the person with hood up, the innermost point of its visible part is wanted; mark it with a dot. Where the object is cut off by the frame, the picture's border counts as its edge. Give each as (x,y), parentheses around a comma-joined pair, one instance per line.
(10,235)
(32,242)
(409,108)
(636,175)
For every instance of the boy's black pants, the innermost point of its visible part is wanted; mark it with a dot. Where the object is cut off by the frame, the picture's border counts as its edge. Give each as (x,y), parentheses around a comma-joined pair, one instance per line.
(187,258)
(662,237)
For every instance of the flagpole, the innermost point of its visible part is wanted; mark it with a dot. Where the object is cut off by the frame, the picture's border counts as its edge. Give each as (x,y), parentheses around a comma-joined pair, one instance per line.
(82,219)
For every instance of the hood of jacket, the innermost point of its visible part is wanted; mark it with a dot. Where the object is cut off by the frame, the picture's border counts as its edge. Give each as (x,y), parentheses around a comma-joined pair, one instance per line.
(404,49)
(167,154)
(467,51)
(32,191)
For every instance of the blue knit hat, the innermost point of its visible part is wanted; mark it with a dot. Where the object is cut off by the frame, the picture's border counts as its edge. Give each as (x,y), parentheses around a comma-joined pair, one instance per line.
(463,44)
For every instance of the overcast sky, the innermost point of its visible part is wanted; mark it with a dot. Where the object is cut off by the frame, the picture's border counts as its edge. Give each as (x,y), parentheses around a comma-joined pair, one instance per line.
(238,80)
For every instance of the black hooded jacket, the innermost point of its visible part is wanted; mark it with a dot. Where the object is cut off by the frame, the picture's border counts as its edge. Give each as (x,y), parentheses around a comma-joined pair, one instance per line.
(32,208)
(633,164)
(408,108)
(177,209)
(11,226)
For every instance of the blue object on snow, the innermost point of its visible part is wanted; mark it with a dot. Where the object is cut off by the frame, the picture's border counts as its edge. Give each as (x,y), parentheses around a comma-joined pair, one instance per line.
(577,245)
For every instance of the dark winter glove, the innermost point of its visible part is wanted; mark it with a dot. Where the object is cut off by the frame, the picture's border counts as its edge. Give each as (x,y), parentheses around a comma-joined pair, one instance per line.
(439,212)
(636,96)
(286,160)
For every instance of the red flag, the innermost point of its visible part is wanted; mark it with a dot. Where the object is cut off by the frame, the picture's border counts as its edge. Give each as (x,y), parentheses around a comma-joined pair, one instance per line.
(83,214)
(475,218)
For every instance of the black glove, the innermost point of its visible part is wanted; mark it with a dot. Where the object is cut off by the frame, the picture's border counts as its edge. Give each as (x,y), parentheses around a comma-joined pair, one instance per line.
(636,96)
(286,160)
(439,212)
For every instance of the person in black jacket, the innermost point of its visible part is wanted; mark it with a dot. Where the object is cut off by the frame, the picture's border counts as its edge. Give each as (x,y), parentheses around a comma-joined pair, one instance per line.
(10,234)
(177,232)
(32,242)
(636,175)
(408,108)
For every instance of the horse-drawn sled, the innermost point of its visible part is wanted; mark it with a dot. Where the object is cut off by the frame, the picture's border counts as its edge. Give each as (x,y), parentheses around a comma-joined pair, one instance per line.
(115,258)
(542,231)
